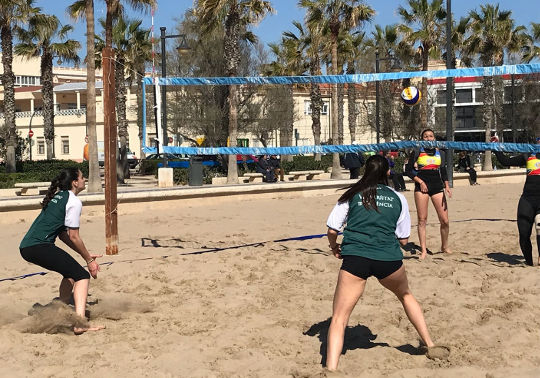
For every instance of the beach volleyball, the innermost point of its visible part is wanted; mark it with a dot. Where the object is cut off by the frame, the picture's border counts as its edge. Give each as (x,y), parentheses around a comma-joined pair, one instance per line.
(411,96)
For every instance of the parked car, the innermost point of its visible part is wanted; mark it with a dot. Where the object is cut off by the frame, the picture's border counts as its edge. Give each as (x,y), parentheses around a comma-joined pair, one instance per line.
(161,156)
(131,158)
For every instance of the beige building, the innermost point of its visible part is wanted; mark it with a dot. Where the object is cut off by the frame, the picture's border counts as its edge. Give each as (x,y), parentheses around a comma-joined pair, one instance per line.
(70,109)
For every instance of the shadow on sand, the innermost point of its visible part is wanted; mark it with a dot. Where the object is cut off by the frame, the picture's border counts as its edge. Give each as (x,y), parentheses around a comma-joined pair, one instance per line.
(356,337)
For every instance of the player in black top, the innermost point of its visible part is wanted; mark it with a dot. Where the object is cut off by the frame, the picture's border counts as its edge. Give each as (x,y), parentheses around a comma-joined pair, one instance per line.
(528,211)
(427,168)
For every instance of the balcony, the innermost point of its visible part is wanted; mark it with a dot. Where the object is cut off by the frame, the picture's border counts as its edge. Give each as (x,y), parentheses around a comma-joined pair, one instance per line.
(39,113)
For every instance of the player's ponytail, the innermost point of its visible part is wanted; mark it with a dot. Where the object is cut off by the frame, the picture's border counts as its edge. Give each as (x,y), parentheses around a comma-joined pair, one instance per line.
(375,173)
(61,182)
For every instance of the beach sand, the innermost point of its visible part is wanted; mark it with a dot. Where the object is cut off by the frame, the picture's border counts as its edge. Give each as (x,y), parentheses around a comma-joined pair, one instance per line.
(178,301)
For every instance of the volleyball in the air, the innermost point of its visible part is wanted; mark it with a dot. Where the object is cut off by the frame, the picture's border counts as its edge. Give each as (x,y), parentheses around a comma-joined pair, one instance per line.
(411,95)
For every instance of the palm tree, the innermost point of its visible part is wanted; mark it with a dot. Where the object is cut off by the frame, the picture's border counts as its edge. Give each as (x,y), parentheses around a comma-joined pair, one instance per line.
(310,44)
(533,48)
(139,53)
(235,16)
(393,50)
(354,49)
(123,34)
(335,16)
(429,18)
(289,61)
(84,9)
(492,32)
(115,9)
(39,40)
(12,14)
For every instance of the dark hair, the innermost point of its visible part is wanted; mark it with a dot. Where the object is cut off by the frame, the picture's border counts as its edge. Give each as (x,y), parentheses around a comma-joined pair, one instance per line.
(425,131)
(376,172)
(61,182)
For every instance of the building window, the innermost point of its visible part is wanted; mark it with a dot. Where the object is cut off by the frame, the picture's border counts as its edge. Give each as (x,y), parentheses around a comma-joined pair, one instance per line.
(463,96)
(65,145)
(441,97)
(25,81)
(307,108)
(465,118)
(242,142)
(41,146)
(324,109)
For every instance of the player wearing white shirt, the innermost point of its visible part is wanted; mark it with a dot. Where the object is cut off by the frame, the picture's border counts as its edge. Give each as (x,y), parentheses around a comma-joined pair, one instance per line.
(60,217)
(377,221)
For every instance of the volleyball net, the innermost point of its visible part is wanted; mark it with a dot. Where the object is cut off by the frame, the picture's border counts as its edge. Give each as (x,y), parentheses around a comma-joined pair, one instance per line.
(292,115)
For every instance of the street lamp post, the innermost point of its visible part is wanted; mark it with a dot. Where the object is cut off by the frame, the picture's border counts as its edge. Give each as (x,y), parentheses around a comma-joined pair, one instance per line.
(31,133)
(183,46)
(377,108)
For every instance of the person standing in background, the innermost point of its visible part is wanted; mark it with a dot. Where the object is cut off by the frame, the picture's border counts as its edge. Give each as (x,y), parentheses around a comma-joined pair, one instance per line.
(353,161)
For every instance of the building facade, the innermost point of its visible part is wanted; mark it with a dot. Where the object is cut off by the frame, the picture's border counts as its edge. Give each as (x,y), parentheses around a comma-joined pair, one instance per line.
(70,110)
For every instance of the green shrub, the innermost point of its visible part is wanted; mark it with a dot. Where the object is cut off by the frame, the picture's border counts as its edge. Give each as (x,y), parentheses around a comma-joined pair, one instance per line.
(181,175)
(38,171)
(307,163)
(149,167)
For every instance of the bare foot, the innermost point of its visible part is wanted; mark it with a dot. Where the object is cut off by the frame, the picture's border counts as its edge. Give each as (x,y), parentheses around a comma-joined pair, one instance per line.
(81,330)
(423,255)
(439,352)
(446,250)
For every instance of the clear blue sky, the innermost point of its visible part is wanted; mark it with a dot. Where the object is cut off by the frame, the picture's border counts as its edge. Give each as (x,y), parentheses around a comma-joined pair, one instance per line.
(270,29)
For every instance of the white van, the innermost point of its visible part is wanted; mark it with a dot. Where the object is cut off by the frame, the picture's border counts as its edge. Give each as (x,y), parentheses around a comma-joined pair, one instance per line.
(131,158)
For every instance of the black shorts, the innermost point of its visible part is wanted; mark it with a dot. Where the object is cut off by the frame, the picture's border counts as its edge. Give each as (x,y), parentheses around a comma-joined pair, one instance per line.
(433,180)
(364,268)
(50,257)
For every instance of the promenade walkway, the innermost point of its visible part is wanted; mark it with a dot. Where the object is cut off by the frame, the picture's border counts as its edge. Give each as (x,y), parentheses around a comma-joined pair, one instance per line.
(144,188)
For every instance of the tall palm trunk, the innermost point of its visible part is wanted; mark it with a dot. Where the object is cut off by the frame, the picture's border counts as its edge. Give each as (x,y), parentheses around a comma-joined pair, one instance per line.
(122,171)
(94,179)
(316,105)
(487,117)
(336,168)
(341,115)
(232,169)
(140,104)
(48,100)
(351,103)
(386,101)
(424,106)
(232,57)
(286,131)
(8,81)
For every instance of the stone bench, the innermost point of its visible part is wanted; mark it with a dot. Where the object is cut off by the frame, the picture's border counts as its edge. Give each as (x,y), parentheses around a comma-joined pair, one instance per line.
(307,175)
(24,187)
(251,177)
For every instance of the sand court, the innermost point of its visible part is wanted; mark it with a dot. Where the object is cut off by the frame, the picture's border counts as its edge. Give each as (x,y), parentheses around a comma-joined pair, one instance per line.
(200,290)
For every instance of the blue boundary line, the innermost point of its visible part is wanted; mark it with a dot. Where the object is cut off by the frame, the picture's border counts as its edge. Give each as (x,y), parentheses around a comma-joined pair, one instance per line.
(211,250)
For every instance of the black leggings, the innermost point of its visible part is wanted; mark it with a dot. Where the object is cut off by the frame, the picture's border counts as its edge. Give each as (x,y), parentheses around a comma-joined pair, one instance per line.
(528,207)
(472,175)
(50,257)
